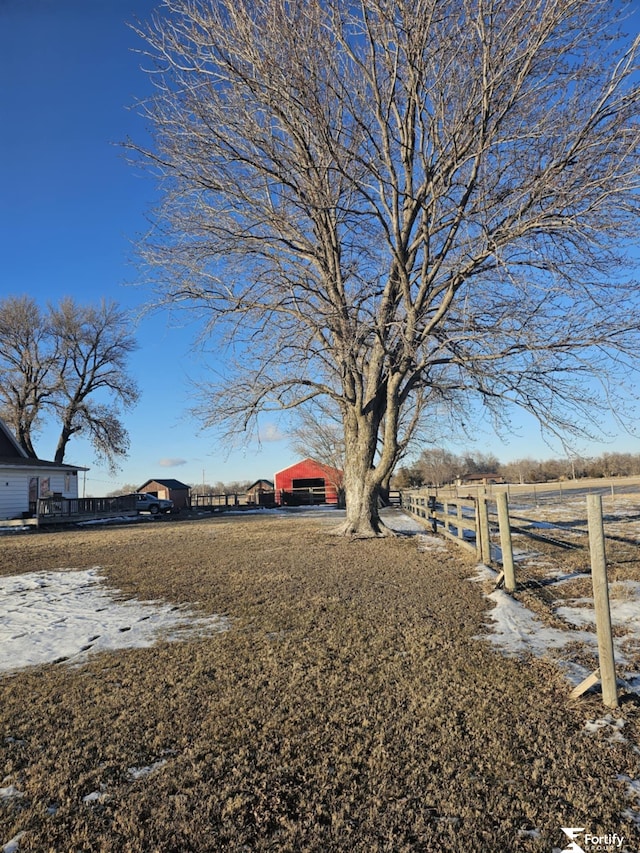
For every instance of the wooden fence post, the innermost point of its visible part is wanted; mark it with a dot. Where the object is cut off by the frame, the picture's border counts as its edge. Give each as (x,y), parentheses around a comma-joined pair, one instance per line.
(482,531)
(606,673)
(505,542)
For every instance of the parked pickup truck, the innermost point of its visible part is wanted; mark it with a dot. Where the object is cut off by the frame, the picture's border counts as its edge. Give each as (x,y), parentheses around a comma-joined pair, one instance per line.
(146,502)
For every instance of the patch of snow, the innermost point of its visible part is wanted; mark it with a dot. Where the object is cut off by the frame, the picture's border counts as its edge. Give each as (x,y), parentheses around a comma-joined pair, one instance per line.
(118,519)
(633,793)
(563,577)
(530,833)
(607,721)
(517,631)
(483,573)
(18,528)
(428,542)
(96,796)
(10,792)
(64,615)
(141,772)
(401,523)
(13,846)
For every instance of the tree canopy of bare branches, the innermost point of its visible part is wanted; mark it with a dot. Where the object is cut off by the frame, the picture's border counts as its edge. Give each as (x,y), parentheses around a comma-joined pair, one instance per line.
(400,205)
(27,365)
(68,363)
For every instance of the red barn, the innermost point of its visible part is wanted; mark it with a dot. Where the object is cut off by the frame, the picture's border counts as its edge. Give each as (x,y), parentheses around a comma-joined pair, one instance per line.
(308,482)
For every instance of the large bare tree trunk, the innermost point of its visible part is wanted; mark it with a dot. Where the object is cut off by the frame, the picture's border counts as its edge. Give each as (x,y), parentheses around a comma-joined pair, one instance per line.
(362,478)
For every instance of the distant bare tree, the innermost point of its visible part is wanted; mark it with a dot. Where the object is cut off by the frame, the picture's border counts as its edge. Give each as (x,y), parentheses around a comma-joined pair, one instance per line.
(438,466)
(67,363)
(203,489)
(408,477)
(476,462)
(220,488)
(317,432)
(125,489)
(94,344)
(397,204)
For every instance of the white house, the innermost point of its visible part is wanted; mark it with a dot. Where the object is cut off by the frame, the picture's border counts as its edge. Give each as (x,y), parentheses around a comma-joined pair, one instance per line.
(24,480)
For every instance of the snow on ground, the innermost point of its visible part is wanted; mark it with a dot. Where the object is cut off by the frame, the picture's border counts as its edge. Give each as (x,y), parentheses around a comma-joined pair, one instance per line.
(52,616)
(516,632)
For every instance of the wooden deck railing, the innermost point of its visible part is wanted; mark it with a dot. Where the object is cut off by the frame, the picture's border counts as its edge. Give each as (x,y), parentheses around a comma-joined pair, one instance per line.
(70,508)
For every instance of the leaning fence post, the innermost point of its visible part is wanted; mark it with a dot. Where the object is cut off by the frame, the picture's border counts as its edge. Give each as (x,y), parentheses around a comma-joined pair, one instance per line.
(606,672)
(505,542)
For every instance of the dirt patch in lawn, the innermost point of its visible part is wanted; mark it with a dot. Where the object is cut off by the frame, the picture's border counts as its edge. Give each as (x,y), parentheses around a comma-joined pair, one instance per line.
(350,706)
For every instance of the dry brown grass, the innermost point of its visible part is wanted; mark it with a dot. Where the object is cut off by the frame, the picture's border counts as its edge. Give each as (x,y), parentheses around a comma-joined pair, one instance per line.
(348,708)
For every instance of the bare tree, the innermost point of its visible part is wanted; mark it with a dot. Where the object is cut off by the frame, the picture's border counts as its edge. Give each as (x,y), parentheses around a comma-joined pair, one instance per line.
(67,363)
(439,466)
(92,382)
(125,489)
(27,359)
(396,204)
(317,432)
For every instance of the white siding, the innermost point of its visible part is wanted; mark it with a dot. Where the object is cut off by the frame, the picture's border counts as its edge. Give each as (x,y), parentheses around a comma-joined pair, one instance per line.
(14,487)
(14,493)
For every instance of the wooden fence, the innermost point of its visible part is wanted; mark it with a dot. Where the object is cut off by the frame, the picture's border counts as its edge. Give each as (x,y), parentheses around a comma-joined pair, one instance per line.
(460,519)
(471,521)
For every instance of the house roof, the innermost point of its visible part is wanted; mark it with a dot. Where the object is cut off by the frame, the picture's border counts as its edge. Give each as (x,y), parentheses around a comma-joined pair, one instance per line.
(13,456)
(9,447)
(28,462)
(481,476)
(168,484)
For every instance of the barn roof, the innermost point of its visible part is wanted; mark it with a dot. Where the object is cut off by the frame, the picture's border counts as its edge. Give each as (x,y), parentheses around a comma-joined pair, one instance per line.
(168,484)
(257,483)
(327,469)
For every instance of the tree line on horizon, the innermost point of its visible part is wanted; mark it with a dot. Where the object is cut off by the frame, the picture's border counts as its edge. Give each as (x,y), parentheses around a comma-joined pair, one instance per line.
(235,487)
(438,467)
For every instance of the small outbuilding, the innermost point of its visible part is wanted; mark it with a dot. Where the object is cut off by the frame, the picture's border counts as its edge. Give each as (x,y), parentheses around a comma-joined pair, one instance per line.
(171,490)
(308,482)
(23,480)
(261,493)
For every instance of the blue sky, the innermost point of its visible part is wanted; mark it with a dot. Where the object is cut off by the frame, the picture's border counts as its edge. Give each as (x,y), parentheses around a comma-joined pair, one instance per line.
(71,209)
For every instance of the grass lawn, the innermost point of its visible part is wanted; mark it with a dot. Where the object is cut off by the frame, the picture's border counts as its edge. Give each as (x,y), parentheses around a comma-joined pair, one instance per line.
(350,707)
